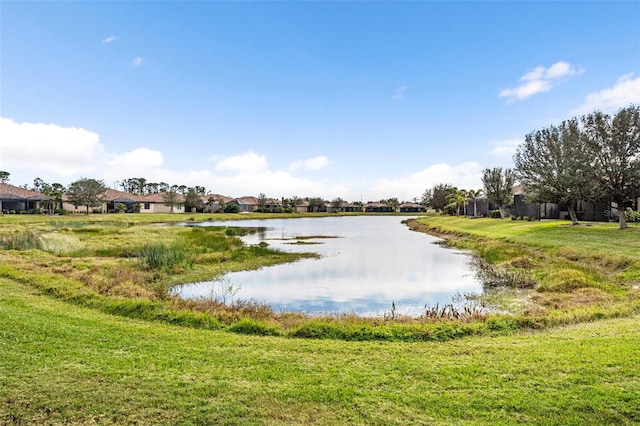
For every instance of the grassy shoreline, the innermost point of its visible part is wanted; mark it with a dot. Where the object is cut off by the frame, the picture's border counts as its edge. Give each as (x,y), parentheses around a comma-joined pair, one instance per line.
(126,264)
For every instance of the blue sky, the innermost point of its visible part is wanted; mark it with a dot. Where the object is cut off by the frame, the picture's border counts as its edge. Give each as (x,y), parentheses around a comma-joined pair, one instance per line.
(359,100)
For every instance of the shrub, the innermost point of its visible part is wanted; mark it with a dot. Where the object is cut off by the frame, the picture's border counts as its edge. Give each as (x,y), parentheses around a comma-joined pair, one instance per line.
(450,209)
(632,216)
(248,326)
(495,214)
(232,208)
(318,330)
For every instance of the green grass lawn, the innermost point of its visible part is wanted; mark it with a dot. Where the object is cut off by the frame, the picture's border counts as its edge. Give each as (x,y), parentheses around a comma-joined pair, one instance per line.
(63,364)
(66,360)
(590,237)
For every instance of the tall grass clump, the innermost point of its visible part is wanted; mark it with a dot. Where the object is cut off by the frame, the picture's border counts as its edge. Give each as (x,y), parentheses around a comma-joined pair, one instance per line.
(211,239)
(60,244)
(163,256)
(21,241)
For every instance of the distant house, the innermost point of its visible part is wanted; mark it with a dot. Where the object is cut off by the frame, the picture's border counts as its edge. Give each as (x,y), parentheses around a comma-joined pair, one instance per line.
(593,211)
(245,204)
(16,199)
(113,201)
(117,201)
(377,208)
(350,207)
(412,208)
(274,205)
(155,203)
(344,207)
(214,203)
(303,207)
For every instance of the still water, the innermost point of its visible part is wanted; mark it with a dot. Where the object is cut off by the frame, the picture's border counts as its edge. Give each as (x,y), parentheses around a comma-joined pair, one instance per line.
(372,262)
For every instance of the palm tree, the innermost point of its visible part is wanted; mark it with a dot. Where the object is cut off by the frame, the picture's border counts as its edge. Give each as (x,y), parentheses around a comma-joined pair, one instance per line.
(296,202)
(473,195)
(457,196)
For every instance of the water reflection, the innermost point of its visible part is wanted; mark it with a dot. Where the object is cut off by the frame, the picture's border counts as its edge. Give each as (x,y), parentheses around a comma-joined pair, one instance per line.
(372,262)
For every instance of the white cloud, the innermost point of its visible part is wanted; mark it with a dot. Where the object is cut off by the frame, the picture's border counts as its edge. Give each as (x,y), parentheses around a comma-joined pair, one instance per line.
(465,175)
(505,149)
(249,162)
(399,93)
(315,163)
(137,61)
(65,151)
(109,39)
(625,91)
(139,157)
(59,154)
(540,80)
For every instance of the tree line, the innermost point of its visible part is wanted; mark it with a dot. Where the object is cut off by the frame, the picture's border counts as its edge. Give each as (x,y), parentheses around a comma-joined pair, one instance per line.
(595,157)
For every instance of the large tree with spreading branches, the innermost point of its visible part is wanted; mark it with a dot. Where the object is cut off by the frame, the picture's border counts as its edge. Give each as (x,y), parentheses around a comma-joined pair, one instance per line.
(614,145)
(498,186)
(553,166)
(87,192)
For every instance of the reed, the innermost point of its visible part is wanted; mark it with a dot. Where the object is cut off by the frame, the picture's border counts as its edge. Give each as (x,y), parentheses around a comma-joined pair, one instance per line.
(164,256)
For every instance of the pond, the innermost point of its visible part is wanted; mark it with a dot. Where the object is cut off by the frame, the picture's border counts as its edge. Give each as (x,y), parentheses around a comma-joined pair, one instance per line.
(366,263)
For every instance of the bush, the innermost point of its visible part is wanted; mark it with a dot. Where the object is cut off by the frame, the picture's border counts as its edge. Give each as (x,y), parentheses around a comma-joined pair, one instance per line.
(450,209)
(232,208)
(495,214)
(247,326)
(631,216)
(318,330)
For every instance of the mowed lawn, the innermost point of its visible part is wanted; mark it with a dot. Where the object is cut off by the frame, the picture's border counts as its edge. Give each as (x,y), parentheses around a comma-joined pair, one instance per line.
(615,252)
(62,364)
(589,237)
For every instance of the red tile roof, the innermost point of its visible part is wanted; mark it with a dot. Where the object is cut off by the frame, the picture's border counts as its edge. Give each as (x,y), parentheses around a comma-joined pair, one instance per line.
(10,192)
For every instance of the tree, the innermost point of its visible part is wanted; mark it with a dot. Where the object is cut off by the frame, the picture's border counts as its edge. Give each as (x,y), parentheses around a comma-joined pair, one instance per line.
(211,202)
(192,200)
(136,186)
(87,192)
(336,204)
(472,196)
(459,198)
(393,203)
(316,204)
(614,145)
(171,198)
(152,188)
(4,176)
(296,202)
(53,192)
(436,197)
(262,202)
(553,166)
(498,186)
(39,185)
